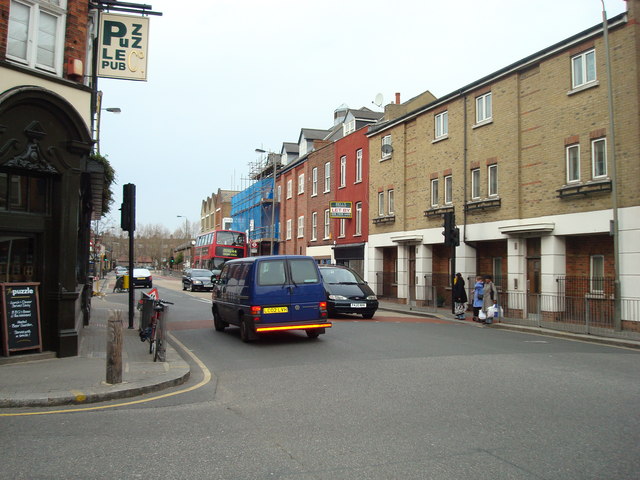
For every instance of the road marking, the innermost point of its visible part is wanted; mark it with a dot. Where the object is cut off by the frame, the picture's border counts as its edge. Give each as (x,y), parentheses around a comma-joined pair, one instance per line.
(202,383)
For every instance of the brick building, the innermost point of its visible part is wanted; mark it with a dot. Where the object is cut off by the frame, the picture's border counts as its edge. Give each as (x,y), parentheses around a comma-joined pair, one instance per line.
(523,158)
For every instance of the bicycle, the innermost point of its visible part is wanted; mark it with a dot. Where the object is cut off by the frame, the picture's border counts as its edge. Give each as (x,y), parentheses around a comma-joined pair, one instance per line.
(154,332)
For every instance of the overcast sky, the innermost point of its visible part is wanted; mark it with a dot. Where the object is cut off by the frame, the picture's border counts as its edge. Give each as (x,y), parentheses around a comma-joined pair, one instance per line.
(228,76)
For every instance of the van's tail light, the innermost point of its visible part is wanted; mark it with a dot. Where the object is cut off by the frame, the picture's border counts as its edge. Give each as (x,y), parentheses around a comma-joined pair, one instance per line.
(256,310)
(323,309)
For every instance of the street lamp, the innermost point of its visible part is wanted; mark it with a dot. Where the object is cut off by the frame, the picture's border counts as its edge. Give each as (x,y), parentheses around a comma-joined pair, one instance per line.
(273,196)
(186,233)
(98,110)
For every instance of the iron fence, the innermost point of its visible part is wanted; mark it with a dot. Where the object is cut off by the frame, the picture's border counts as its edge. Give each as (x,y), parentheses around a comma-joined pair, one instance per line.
(588,313)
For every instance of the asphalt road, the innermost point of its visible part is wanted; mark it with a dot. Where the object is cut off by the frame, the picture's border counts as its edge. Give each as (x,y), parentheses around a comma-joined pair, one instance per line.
(397,397)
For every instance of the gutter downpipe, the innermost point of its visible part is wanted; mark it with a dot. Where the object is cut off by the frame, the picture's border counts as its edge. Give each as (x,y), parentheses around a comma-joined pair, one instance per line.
(464,161)
(617,300)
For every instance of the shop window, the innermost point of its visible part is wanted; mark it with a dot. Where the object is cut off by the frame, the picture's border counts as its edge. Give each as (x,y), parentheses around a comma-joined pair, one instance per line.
(25,193)
(17,262)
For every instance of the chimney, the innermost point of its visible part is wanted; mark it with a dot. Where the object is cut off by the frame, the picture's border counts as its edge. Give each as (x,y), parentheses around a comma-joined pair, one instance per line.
(397,98)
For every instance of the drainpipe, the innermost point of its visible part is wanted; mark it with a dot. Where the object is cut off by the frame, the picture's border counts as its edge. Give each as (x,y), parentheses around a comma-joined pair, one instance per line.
(617,301)
(464,162)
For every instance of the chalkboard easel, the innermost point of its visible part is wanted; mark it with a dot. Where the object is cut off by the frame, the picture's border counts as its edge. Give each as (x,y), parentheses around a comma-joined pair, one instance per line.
(20,317)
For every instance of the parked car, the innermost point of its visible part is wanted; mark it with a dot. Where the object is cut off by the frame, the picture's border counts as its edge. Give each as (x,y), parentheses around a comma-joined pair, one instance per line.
(197,279)
(347,292)
(141,278)
(121,271)
(270,293)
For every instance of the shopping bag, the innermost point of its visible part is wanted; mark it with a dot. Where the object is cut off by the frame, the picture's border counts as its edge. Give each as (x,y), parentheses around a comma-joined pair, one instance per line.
(491,311)
(482,315)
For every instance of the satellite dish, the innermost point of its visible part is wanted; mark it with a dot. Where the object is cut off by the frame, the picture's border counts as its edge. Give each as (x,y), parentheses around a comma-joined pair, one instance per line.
(378,100)
(387,149)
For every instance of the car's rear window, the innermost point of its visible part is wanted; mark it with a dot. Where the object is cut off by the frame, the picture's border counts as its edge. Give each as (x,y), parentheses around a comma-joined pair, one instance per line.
(303,270)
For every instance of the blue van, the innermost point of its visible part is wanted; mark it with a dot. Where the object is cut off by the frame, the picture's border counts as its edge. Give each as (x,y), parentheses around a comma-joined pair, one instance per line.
(268,294)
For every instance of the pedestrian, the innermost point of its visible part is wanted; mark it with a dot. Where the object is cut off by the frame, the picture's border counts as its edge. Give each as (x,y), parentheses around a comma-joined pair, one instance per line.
(489,295)
(478,289)
(459,297)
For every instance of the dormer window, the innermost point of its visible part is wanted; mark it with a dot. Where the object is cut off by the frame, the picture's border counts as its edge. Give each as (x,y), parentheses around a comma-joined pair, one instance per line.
(348,127)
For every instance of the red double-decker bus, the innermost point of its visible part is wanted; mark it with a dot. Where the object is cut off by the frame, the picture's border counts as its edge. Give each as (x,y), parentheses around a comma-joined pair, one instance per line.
(214,248)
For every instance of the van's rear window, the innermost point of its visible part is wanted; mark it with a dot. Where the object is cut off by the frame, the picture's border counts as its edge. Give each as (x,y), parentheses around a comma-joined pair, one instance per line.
(304,270)
(271,272)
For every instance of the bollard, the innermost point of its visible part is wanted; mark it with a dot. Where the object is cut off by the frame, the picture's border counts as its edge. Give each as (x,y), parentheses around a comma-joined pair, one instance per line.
(114,347)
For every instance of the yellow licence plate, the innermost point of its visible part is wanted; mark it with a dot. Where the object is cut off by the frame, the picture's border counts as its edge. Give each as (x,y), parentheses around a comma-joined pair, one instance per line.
(275,309)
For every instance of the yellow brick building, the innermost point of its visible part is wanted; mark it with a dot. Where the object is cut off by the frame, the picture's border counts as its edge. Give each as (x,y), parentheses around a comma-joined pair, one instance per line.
(524,160)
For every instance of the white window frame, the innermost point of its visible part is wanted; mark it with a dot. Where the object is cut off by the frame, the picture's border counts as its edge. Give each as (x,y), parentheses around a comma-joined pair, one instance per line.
(448,189)
(327,177)
(573,163)
(301,226)
(595,161)
(391,200)
(386,140)
(348,127)
(381,204)
(492,180)
(279,193)
(475,184)
(441,125)
(343,228)
(36,10)
(596,274)
(289,188)
(327,224)
(288,229)
(314,181)
(484,108)
(343,171)
(314,225)
(301,184)
(583,69)
(435,194)
(358,166)
(358,219)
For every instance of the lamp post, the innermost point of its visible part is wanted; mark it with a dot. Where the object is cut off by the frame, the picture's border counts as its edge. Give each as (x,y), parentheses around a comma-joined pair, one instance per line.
(98,110)
(186,233)
(273,196)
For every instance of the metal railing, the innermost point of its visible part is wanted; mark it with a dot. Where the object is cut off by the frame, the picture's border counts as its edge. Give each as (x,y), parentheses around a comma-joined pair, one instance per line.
(588,314)
(581,304)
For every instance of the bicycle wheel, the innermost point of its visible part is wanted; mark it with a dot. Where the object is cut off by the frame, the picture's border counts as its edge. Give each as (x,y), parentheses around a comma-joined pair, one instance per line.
(159,353)
(152,338)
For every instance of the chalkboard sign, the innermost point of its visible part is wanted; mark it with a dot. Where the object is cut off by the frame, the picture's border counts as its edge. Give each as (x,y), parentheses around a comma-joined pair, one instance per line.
(20,317)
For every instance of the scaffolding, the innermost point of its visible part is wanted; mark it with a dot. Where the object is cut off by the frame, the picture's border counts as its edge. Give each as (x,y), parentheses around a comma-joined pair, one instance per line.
(252,209)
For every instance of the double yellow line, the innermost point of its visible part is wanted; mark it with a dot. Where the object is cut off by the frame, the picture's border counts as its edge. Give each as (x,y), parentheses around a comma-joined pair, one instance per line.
(203,382)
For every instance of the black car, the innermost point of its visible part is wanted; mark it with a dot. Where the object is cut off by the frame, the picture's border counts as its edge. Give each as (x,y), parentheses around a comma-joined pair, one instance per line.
(141,278)
(347,292)
(197,279)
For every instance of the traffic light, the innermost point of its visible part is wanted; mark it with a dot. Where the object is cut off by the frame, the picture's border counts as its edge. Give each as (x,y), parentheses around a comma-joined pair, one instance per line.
(128,208)
(450,231)
(172,260)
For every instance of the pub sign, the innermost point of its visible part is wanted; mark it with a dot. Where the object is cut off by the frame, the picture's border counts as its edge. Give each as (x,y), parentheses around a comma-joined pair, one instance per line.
(122,47)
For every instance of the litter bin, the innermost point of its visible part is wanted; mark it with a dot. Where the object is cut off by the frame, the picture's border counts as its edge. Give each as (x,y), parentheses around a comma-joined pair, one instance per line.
(146,311)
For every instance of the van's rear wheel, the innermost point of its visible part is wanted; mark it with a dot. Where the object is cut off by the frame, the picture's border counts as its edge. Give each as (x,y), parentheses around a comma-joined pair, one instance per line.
(244,331)
(218,324)
(315,333)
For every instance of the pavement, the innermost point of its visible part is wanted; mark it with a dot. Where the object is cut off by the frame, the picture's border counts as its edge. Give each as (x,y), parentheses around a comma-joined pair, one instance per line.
(41,379)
